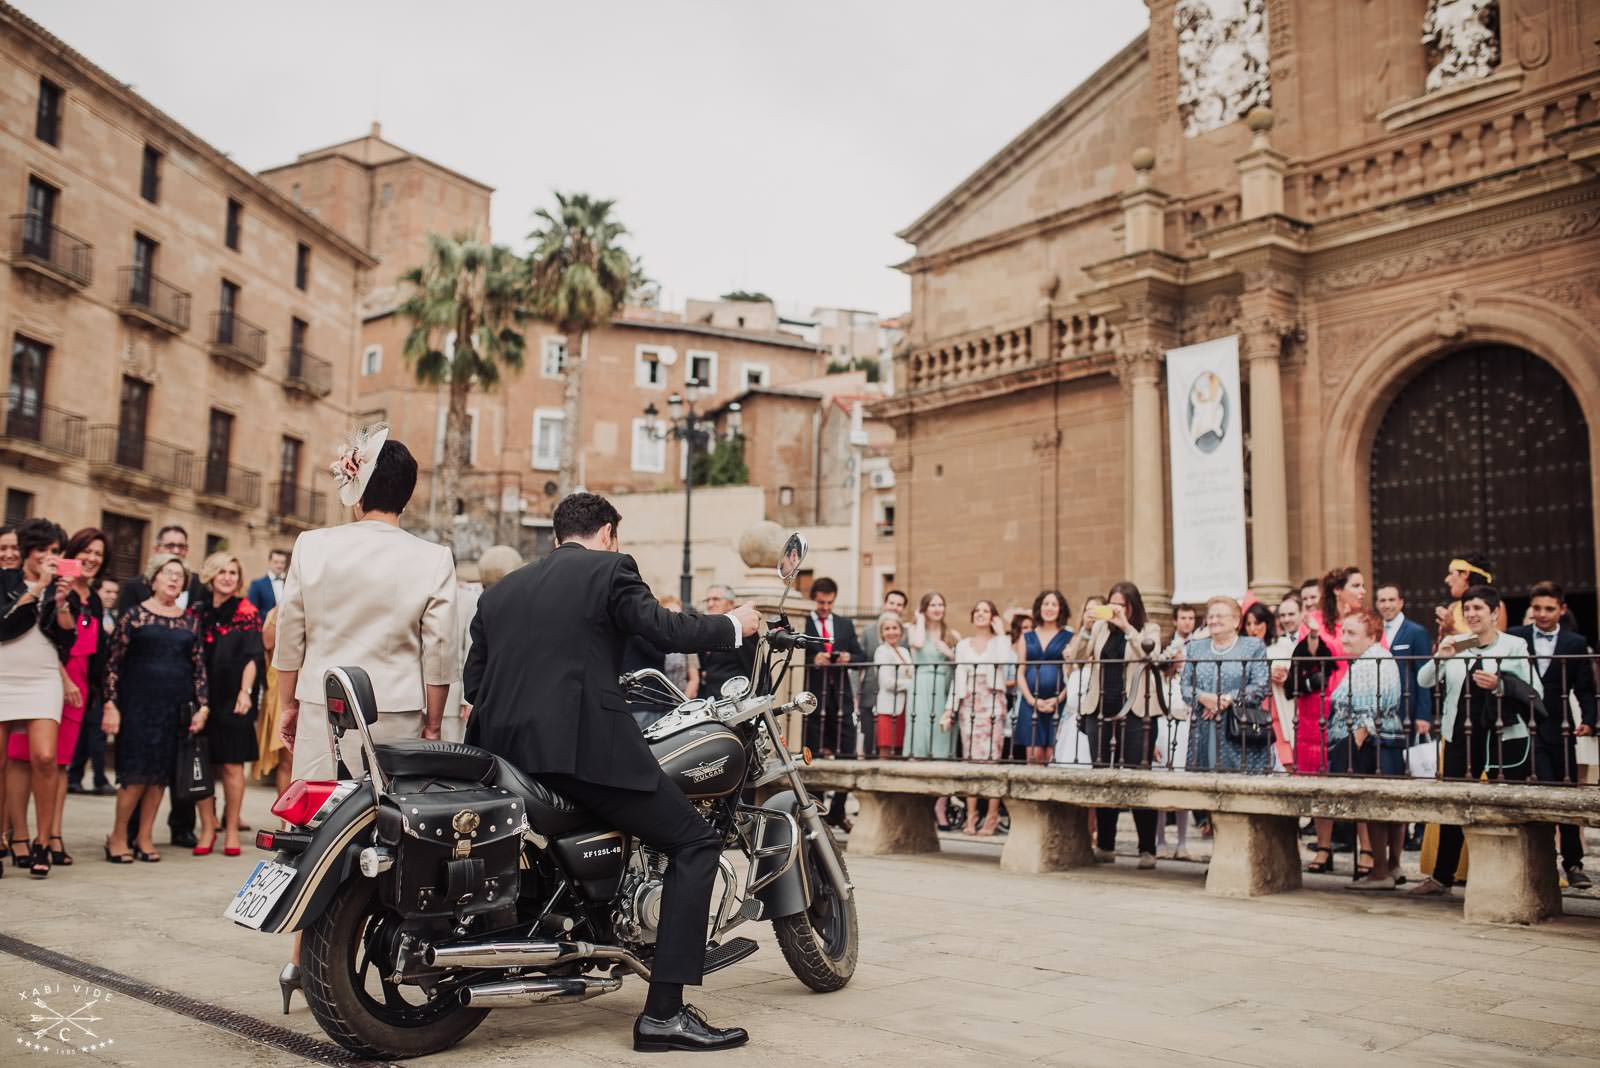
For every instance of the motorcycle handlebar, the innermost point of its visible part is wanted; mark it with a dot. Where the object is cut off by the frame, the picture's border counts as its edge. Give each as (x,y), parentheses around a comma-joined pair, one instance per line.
(783,641)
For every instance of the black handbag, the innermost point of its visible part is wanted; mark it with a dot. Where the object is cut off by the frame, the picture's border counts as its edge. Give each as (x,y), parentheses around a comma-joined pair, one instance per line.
(1247,726)
(191,773)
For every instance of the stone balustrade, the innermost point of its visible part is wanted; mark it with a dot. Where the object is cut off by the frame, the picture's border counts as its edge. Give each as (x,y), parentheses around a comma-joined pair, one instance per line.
(1003,350)
(1255,844)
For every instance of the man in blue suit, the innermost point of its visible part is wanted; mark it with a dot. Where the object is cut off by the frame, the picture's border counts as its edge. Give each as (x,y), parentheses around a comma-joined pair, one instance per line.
(266,591)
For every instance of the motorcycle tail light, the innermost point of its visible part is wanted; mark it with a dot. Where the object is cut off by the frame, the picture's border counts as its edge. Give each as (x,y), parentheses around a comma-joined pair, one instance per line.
(266,840)
(304,801)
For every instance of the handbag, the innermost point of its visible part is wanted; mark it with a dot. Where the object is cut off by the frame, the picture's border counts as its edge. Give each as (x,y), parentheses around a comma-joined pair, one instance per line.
(191,774)
(1248,726)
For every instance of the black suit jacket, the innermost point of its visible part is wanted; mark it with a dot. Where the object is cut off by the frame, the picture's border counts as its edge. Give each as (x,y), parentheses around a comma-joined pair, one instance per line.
(547,647)
(832,684)
(1560,678)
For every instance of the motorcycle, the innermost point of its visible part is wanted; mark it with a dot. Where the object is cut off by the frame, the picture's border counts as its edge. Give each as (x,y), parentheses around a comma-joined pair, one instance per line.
(444,883)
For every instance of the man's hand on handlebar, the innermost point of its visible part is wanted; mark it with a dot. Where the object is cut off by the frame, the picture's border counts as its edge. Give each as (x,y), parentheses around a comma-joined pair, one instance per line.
(748,618)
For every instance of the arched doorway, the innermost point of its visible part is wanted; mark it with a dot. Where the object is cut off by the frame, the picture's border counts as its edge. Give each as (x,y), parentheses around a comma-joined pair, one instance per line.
(1484,449)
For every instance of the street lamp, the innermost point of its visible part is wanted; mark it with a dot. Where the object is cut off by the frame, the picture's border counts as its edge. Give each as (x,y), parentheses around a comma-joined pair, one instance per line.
(684,424)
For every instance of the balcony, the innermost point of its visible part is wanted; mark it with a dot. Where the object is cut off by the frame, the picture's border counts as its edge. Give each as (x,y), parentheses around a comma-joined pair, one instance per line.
(43,434)
(295,507)
(308,374)
(131,459)
(229,488)
(49,251)
(238,340)
(148,298)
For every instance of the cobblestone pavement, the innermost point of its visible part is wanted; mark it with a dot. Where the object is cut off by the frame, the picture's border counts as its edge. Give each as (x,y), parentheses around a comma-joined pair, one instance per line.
(960,965)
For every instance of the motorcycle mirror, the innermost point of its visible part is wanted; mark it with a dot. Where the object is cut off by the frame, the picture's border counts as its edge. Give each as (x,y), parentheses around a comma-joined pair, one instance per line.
(805,703)
(735,688)
(794,553)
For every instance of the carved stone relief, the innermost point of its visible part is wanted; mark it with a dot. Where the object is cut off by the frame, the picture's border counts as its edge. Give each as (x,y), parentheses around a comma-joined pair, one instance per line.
(1222,61)
(1217,317)
(1341,345)
(1580,293)
(1463,41)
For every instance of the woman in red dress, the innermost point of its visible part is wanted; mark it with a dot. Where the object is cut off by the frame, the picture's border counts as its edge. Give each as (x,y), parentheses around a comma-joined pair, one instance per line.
(1319,666)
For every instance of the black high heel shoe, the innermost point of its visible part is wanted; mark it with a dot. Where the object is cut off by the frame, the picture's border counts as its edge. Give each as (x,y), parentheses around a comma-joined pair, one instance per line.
(1321,867)
(40,867)
(59,857)
(288,983)
(21,855)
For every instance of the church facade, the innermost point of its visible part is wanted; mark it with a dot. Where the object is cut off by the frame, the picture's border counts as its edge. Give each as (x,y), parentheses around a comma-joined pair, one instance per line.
(1393,204)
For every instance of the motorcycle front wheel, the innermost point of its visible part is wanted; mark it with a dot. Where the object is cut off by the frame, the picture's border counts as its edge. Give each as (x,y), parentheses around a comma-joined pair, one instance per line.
(344,966)
(821,943)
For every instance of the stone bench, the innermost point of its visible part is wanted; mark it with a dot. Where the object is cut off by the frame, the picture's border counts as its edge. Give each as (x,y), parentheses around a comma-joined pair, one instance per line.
(1255,837)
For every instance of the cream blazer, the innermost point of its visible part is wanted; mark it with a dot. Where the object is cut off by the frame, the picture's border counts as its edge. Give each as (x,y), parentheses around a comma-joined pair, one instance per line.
(1132,653)
(370,595)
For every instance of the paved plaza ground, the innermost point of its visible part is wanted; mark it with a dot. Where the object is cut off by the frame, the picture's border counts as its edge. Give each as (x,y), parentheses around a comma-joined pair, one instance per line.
(960,965)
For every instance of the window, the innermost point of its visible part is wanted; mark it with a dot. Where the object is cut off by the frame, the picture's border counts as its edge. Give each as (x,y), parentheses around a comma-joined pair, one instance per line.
(144,266)
(47,127)
(471,432)
(25,394)
(886,519)
(219,446)
(294,192)
(755,375)
(38,228)
(133,410)
(227,306)
(19,506)
(372,360)
(648,369)
(288,474)
(150,176)
(547,427)
(785,495)
(126,534)
(235,220)
(302,264)
(649,450)
(702,370)
(297,335)
(215,543)
(553,357)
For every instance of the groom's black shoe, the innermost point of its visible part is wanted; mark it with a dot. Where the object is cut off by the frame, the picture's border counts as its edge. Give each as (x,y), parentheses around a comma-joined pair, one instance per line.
(686,1029)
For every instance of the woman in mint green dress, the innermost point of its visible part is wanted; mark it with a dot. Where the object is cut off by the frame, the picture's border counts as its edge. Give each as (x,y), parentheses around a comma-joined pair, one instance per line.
(933,651)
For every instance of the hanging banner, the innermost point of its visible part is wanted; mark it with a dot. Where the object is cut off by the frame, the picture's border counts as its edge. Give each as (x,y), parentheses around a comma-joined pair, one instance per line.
(1207,446)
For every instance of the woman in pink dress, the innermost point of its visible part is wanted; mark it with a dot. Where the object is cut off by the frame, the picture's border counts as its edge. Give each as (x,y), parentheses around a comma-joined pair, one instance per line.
(1319,666)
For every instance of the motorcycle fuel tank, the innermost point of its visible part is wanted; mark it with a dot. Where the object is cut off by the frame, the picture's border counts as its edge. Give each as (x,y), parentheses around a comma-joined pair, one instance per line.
(705,760)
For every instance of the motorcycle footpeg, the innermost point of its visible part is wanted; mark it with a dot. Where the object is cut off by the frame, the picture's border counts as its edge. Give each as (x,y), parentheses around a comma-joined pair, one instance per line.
(729,953)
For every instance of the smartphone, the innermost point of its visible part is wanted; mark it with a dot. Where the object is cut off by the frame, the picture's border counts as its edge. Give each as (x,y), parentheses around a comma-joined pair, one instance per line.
(1459,642)
(69,569)
(1101,611)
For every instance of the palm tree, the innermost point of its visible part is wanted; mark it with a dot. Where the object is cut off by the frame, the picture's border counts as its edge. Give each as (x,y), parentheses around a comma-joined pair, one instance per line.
(580,276)
(468,303)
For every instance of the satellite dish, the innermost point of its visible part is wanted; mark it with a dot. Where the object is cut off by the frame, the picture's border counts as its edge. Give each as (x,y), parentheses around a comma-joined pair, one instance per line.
(666,357)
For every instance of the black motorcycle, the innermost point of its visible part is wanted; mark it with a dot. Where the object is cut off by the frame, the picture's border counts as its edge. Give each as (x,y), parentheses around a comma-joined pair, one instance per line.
(444,882)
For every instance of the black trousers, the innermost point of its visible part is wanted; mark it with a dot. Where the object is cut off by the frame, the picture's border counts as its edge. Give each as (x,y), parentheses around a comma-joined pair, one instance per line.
(1558,762)
(1457,761)
(664,819)
(91,747)
(1125,743)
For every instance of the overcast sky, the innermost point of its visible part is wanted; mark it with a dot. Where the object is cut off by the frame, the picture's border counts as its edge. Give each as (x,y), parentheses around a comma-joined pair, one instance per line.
(747,144)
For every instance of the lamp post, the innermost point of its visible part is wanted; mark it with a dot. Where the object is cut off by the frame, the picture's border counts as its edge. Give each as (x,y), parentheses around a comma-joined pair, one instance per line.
(684,424)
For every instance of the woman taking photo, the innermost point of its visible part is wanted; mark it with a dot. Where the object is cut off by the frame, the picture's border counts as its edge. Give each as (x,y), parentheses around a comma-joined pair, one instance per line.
(1319,667)
(1041,682)
(32,691)
(1224,678)
(932,650)
(978,701)
(230,633)
(77,618)
(155,691)
(894,684)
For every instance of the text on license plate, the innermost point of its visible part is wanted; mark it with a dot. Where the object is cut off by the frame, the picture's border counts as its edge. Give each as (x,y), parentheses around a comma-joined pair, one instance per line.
(261,890)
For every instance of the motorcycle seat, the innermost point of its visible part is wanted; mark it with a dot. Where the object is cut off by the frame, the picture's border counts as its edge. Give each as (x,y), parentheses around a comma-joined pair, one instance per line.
(422,759)
(548,812)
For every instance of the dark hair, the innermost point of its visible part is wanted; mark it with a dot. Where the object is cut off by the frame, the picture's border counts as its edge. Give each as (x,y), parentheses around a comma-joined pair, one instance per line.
(393,479)
(37,533)
(1482,592)
(994,612)
(1016,626)
(277,551)
(1261,614)
(1191,609)
(1295,597)
(581,515)
(824,585)
(1061,599)
(1395,586)
(922,610)
(1478,561)
(1332,583)
(80,542)
(1548,588)
(904,596)
(1310,582)
(7,528)
(172,526)
(1130,593)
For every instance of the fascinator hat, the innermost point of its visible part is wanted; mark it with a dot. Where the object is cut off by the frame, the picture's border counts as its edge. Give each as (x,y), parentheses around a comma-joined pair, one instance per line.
(353,468)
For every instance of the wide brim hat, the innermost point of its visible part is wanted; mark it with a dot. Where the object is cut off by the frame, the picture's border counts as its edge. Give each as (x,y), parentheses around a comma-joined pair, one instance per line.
(353,469)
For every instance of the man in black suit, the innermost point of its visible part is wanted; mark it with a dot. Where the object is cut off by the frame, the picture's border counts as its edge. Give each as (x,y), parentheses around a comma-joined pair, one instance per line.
(547,646)
(1554,751)
(831,730)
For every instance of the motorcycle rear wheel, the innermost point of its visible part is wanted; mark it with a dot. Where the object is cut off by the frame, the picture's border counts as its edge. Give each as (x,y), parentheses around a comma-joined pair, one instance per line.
(335,962)
(821,943)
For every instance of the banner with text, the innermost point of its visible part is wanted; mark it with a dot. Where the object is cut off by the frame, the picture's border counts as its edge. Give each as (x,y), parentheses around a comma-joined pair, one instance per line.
(1207,445)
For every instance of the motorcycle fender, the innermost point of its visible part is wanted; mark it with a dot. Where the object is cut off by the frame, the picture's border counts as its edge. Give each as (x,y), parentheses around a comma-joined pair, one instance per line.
(333,857)
(790,892)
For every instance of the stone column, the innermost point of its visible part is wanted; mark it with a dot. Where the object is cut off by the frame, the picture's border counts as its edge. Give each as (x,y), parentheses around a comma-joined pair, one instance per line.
(1269,486)
(1147,563)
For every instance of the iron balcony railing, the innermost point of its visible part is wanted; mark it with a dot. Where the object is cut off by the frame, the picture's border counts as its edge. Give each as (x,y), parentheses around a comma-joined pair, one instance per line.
(233,484)
(39,241)
(237,338)
(45,426)
(148,292)
(118,449)
(297,505)
(308,373)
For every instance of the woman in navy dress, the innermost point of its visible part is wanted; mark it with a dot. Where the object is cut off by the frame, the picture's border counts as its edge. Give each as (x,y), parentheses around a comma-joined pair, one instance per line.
(1041,686)
(155,691)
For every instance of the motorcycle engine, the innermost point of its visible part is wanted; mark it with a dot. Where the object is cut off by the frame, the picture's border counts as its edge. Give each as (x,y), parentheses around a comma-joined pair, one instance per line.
(638,911)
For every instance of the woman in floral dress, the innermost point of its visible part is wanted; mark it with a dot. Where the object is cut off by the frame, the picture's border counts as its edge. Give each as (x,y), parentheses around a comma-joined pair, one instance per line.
(979,698)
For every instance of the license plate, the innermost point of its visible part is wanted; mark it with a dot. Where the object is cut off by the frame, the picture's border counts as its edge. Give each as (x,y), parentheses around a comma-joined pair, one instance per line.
(261,890)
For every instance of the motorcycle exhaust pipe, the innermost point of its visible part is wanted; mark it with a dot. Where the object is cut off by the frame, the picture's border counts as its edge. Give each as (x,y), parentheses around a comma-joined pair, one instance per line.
(524,992)
(517,954)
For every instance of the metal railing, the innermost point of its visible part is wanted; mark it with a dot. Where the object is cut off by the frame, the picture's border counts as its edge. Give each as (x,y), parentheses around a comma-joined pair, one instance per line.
(297,505)
(45,426)
(233,484)
(155,296)
(42,242)
(115,449)
(238,338)
(308,374)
